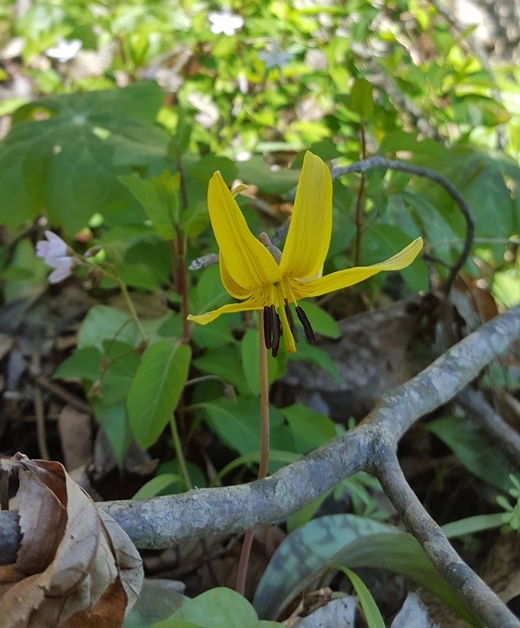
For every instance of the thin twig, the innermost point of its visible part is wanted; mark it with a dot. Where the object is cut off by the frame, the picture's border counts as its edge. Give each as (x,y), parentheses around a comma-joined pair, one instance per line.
(478,597)
(359,201)
(377,161)
(44,382)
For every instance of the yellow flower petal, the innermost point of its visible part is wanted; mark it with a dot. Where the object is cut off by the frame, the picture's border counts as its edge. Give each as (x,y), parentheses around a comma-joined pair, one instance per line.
(244,257)
(309,233)
(245,306)
(351,276)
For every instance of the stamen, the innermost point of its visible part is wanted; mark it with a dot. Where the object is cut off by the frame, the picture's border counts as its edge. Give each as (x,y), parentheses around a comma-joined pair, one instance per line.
(268,327)
(276,332)
(307,328)
(272,329)
(290,318)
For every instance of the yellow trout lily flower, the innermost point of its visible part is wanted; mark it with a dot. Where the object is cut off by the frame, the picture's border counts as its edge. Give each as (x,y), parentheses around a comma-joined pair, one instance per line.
(262,278)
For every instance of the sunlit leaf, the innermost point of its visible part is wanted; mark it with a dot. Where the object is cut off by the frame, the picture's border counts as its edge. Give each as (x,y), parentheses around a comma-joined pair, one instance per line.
(156,389)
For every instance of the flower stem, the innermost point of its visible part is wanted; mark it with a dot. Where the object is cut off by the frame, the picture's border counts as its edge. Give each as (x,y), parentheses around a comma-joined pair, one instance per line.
(183,468)
(264,402)
(131,308)
(264,451)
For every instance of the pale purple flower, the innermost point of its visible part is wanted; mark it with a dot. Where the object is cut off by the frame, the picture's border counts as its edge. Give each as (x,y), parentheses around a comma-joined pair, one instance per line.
(64,50)
(55,253)
(274,57)
(225,22)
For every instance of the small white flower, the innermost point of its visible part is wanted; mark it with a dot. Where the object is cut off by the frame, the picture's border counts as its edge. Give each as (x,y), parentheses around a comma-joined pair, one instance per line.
(225,22)
(64,50)
(274,57)
(243,83)
(54,252)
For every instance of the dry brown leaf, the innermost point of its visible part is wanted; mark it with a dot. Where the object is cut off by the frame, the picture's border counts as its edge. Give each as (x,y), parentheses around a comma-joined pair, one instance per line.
(76,567)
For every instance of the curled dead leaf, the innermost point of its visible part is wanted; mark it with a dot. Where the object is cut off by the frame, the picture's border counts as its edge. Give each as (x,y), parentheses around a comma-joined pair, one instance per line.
(76,568)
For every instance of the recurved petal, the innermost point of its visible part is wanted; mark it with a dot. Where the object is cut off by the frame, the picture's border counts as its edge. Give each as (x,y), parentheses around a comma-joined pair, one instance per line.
(351,276)
(244,306)
(247,261)
(309,233)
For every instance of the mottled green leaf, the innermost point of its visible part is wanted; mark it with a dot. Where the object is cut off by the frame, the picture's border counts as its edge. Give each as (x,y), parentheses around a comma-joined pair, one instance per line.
(347,540)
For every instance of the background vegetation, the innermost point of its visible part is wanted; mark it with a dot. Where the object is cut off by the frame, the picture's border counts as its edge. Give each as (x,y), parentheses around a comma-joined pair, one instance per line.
(114,117)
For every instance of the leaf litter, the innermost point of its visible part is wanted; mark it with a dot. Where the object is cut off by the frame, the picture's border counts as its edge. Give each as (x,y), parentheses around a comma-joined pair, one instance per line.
(76,568)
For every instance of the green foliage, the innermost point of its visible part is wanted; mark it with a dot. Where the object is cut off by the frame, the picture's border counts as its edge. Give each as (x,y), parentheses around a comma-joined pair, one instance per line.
(156,389)
(368,605)
(218,608)
(314,548)
(125,169)
(474,450)
(511,516)
(64,153)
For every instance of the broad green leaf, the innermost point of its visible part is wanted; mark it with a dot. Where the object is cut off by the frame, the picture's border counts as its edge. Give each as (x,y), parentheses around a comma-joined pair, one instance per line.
(257,171)
(218,608)
(361,100)
(114,420)
(156,389)
(310,429)
(210,292)
(474,450)
(157,600)
(382,241)
(205,166)
(370,611)
(213,336)
(222,361)
(159,198)
(63,154)
(318,543)
(237,424)
(117,370)
(347,540)
(84,364)
(105,322)
(316,355)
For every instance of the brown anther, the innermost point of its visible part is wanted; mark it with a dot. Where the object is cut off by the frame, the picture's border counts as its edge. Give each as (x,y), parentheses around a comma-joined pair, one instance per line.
(307,328)
(272,329)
